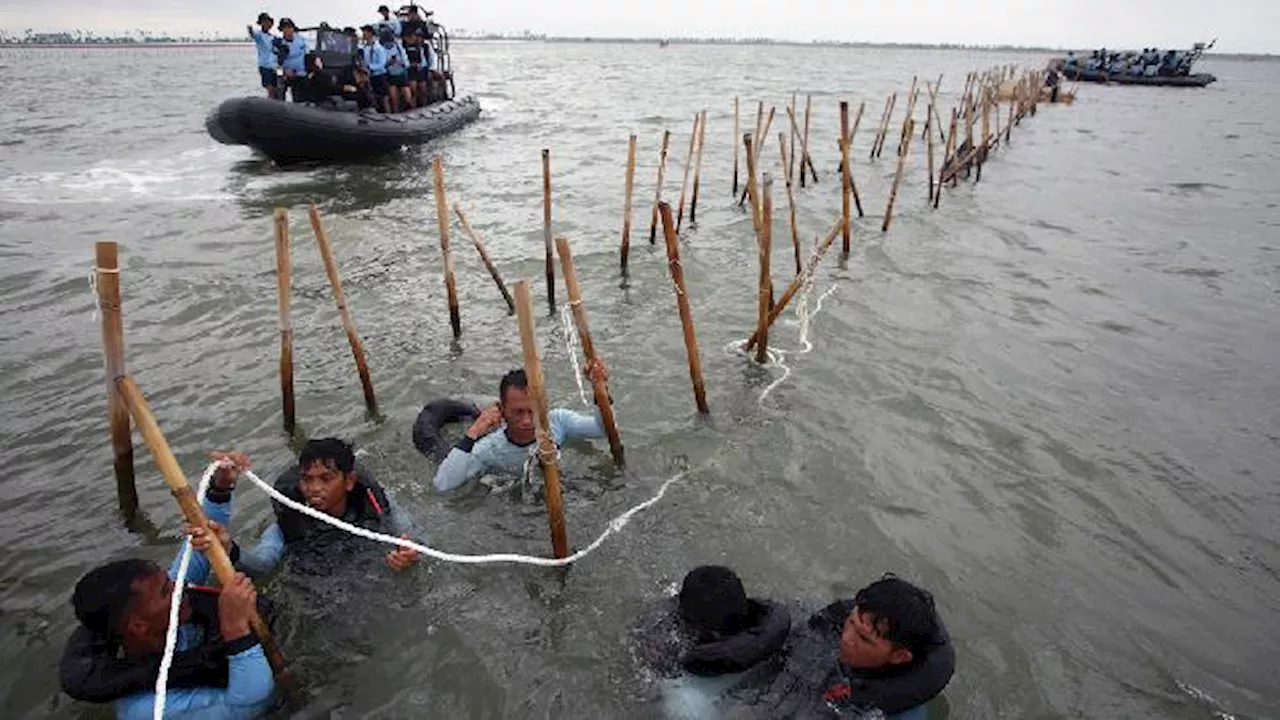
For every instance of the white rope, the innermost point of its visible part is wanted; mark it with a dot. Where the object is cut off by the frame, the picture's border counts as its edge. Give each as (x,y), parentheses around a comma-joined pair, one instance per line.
(777,357)
(571,344)
(175,604)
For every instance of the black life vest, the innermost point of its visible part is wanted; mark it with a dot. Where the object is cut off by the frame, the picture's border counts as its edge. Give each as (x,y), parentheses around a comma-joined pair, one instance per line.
(93,670)
(367,506)
(665,646)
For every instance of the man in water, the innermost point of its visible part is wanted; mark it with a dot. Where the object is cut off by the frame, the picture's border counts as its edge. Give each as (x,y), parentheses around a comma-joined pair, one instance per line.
(703,641)
(219,668)
(293,59)
(894,655)
(327,480)
(482,450)
(267,62)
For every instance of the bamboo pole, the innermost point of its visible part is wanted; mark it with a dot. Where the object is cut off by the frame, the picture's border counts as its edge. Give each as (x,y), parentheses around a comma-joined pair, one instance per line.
(1008,130)
(888,120)
(546,445)
(335,282)
(913,95)
(764,293)
(442,218)
(791,202)
(806,159)
(791,151)
(751,189)
(686,315)
(846,178)
(588,348)
(986,133)
(735,146)
(657,194)
(286,320)
(875,140)
(804,146)
(688,165)
(929,122)
(948,156)
(897,176)
(799,279)
(140,410)
(484,257)
(853,132)
(626,207)
(107,278)
(697,169)
(757,144)
(546,231)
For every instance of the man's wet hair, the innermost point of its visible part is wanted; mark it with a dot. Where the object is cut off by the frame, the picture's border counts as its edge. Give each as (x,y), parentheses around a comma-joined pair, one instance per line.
(327,451)
(102,597)
(902,613)
(712,599)
(515,379)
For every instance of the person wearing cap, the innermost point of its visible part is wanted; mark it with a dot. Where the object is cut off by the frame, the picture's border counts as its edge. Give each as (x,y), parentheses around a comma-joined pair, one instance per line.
(388,21)
(294,59)
(397,71)
(267,62)
(373,56)
(704,641)
(419,56)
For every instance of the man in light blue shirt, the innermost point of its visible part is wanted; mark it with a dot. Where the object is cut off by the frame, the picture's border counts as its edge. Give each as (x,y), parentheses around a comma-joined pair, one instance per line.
(267,60)
(374,57)
(294,61)
(503,437)
(388,21)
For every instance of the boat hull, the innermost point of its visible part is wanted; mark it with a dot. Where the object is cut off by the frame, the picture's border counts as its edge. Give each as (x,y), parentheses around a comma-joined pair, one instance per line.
(1196,80)
(297,131)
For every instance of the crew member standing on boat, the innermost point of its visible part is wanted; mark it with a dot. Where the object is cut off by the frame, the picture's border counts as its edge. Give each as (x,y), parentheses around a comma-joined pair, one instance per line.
(419,62)
(294,60)
(374,57)
(397,72)
(389,21)
(267,62)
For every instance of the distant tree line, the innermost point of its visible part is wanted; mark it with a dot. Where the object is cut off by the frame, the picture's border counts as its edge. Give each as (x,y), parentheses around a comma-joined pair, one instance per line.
(129,37)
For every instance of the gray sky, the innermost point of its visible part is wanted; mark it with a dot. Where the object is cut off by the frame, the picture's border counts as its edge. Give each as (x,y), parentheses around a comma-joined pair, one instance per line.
(1242,25)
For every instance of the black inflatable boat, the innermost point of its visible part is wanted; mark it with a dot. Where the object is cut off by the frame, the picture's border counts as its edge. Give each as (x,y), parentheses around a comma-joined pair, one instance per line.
(301,131)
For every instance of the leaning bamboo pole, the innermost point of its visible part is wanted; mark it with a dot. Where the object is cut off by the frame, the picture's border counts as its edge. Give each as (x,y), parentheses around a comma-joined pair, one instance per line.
(751,189)
(913,96)
(349,325)
(625,252)
(791,202)
(897,176)
(688,166)
(542,426)
(947,151)
(682,303)
(107,280)
(601,390)
(286,320)
(657,193)
(484,257)
(800,279)
(697,169)
(140,410)
(442,219)
(757,143)
(804,147)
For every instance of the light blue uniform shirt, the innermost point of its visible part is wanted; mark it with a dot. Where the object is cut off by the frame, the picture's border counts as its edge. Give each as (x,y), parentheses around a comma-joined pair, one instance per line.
(397,51)
(375,58)
(266,52)
(495,453)
(296,60)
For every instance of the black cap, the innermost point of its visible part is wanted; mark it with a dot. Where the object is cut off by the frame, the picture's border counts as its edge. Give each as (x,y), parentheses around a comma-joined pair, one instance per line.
(287,23)
(263,17)
(366,27)
(384,8)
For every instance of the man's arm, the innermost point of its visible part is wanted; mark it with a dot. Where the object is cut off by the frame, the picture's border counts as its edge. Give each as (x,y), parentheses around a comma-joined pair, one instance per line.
(459,466)
(217,507)
(398,521)
(249,688)
(567,425)
(262,558)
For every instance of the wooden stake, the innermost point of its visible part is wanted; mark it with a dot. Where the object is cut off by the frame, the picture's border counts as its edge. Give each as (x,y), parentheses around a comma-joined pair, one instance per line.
(442,218)
(948,157)
(546,230)
(484,257)
(791,150)
(857,120)
(764,293)
(286,320)
(546,445)
(335,282)
(688,165)
(929,122)
(186,497)
(804,143)
(846,178)
(735,146)
(897,176)
(875,140)
(1008,130)
(751,190)
(657,194)
(757,142)
(884,130)
(791,201)
(588,348)
(804,146)
(913,95)
(697,169)
(626,206)
(800,279)
(682,302)
(107,279)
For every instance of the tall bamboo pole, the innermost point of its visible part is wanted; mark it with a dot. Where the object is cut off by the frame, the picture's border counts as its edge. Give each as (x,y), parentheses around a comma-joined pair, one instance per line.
(929,123)
(757,143)
(791,150)
(697,169)
(484,257)
(875,140)
(286,320)
(846,181)
(588,348)
(800,279)
(804,142)
(888,120)
(107,276)
(735,146)
(335,282)
(140,409)
(626,207)
(688,165)
(764,294)
(682,302)
(913,95)
(546,229)
(791,202)
(442,218)
(751,190)
(657,193)
(897,176)
(546,445)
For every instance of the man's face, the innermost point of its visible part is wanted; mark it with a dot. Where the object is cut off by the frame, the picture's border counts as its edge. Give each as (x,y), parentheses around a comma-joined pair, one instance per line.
(862,647)
(147,620)
(325,487)
(288,32)
(367,35)
(267,25)
(517,411)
